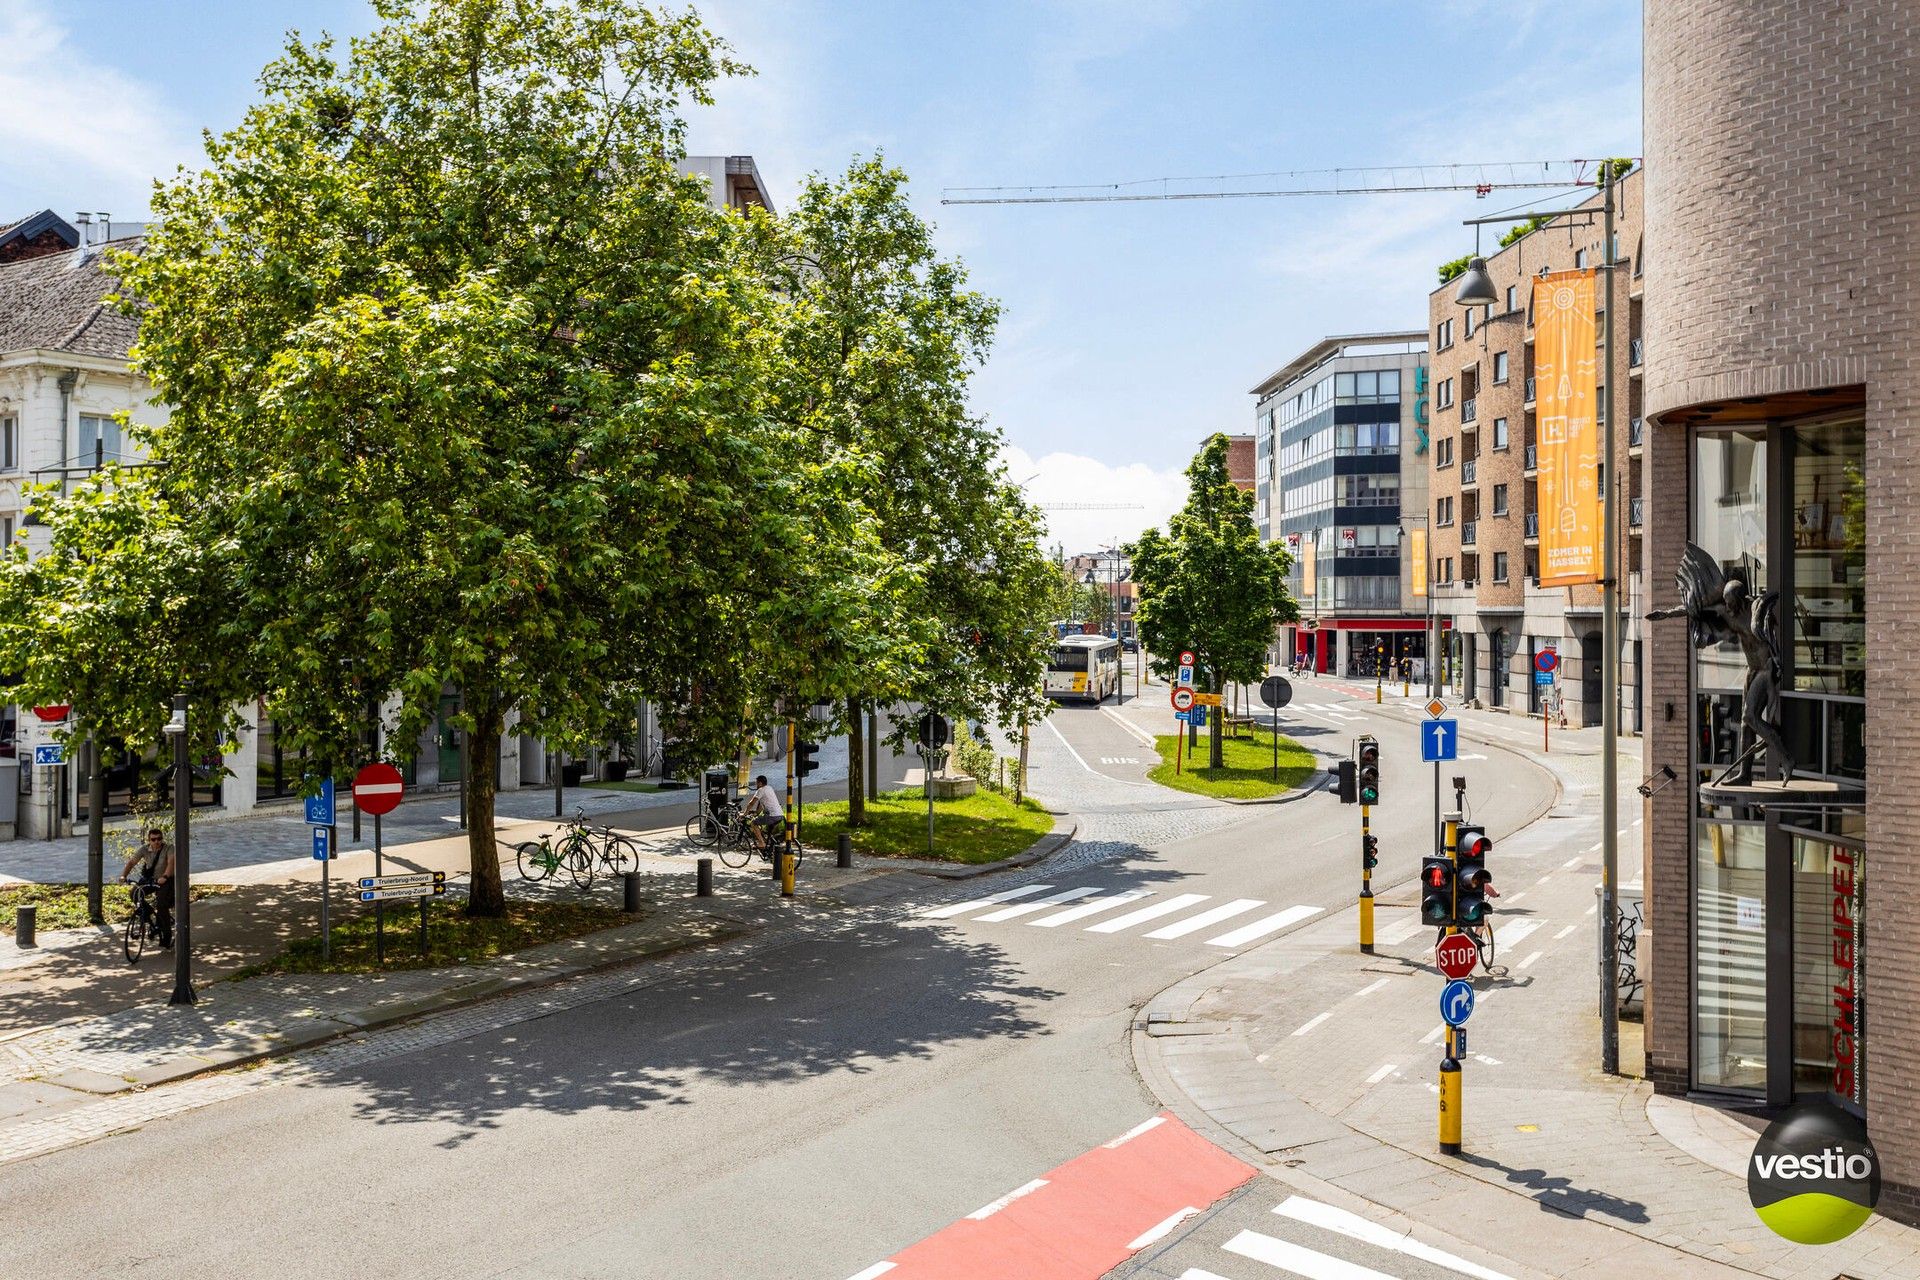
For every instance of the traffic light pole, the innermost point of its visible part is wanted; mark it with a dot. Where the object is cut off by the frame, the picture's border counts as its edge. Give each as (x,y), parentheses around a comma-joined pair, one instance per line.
(1450,1093)
(1366,880)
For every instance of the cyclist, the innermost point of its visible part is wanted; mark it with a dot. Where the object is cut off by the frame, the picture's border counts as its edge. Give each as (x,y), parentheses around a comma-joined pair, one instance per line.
(768,815)
(155,860)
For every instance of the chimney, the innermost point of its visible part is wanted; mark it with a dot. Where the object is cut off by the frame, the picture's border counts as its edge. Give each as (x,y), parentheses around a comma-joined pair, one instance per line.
(104,226)
(84,221)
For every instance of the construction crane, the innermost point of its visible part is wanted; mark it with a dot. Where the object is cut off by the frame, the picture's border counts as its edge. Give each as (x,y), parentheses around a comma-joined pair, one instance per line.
(1481,179)
(1089,506)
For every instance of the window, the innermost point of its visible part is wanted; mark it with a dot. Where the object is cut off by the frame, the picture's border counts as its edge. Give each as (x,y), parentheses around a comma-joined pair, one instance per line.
(1500,433)
(1513,296)
(1600,404)
(6,531)
(1499,499)
(1499,366)
(1443,511)
(1443,452)
(1443,393)
(1500,567)
(1443,335)
(1470,311)
(99,439)
(1579,259)
(9,444)
(1446,569)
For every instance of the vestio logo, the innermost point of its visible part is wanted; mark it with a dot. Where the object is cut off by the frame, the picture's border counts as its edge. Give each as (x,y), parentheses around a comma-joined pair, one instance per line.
(1813,1176)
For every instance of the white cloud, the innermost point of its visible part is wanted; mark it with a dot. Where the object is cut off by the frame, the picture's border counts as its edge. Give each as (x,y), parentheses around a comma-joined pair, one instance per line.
(78,132)
(1134,497)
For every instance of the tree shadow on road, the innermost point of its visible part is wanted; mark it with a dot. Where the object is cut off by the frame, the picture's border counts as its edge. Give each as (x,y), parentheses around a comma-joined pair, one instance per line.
(1557,1194)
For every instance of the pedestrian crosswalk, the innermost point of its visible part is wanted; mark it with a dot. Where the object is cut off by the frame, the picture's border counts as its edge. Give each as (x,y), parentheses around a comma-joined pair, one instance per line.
(1337,711)
(1119,759)
(1232,924)
(1320,1242)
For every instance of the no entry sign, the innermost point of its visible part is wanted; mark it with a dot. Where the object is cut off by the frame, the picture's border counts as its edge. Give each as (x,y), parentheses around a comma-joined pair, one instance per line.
(377,789)
(1456,955)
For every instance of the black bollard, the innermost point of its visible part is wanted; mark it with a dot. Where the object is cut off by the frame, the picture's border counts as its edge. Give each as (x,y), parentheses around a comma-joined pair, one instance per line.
(703,884)
(632,904)
(24,920)
(845,851)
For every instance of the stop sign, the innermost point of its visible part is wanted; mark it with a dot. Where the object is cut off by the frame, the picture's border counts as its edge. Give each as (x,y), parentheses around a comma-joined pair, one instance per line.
(53,714)
(1456,955)
(377,788)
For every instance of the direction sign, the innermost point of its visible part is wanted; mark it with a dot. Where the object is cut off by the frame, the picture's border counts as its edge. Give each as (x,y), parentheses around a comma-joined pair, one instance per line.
(1206,699)
(403,891)
(377,788)
(50,753)
(1546,660)
(1456,1002)
(408,880)
(1543,677)
(1436,708)
(322,849)
(1276,692)
(320,807)
(933,731)
(1439,740)
(1186,657)
(1455,955)
(1182,699)
(1197,715)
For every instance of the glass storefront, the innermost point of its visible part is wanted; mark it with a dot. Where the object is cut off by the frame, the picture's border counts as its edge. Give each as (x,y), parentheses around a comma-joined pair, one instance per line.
(1730,956)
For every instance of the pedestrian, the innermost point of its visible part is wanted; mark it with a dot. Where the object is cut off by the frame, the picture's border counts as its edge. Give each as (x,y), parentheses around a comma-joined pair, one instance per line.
(155,859)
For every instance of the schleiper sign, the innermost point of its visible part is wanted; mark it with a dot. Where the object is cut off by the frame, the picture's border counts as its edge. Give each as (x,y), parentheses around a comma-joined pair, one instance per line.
(1813,1176)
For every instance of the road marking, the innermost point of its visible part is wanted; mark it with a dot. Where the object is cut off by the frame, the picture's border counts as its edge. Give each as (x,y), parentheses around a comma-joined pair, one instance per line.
(1372,987)
(1132,728)
(1160,1231)
(1194,1273)
(1179,902)
(1119,760)
(1528,962)
(1069,746)
(941,913)
(874,1271)
(1382,1073)
(987,1210)
(1086,909)
(1481,1057)
(1261,928)
(1299,1259)
(1434,1034)
(1019,909)
(1515,897)
(1592,909)
(1313,1022)
(1399,933)
(1145,1126)
(1213,915)
(1517,932)
(1595,846)
(1572,862)
(1355,1227)
(1564,932)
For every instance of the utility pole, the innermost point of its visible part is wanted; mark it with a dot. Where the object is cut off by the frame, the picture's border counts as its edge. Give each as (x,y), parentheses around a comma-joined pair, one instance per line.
(1609,674)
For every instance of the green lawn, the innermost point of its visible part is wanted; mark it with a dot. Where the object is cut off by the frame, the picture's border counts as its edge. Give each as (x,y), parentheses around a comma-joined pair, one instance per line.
(1248,774)
(64,906)
(983,827)
(622,785)
(452,938)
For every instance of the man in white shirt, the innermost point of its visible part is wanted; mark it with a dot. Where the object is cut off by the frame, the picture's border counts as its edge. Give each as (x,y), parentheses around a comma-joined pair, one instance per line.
(769,815)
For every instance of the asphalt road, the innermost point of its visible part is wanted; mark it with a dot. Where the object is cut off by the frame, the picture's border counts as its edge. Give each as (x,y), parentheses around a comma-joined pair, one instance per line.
(800,1110)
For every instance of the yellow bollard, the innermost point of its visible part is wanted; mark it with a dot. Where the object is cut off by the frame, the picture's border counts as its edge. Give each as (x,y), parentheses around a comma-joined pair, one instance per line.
(1366,920)
(786,875)
(1366,882)
(1450,1113)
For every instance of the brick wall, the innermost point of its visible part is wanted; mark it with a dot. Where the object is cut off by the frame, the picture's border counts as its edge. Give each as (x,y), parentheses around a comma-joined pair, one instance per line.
(1783,243)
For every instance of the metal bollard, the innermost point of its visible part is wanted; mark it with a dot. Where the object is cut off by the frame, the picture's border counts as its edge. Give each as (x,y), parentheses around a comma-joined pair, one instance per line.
(845,852)
(787,861)
(24,920)
(703,883)
(632,903)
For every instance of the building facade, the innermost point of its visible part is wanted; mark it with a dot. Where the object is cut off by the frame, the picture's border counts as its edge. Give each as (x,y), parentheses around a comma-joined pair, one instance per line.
(1783,395)
(1339,439)
(1483,509)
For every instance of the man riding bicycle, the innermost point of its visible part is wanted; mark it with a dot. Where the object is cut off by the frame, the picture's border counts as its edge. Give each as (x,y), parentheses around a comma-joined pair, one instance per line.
(768,814)
(155,860)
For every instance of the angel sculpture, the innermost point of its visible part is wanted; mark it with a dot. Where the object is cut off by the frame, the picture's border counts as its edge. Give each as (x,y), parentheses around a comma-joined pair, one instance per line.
(1719,607)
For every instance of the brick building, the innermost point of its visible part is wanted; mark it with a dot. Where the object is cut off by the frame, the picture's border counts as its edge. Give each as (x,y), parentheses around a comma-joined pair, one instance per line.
(1782,302)
(1482,505)
(1240,462)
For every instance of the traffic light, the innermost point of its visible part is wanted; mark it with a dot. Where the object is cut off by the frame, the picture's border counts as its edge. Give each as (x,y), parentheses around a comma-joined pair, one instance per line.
(1436,891)
(1344,775)
(806,757)
(1369,770)
(1370,851)
(1471,849)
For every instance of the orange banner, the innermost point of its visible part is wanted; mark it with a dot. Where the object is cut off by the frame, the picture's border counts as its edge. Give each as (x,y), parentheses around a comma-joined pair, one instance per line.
(1308,587)
(1417,548)
(1566,438)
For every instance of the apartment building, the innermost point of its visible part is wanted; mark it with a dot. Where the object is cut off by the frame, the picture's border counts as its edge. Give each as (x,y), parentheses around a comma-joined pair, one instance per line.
(1482,506)
(1339,449)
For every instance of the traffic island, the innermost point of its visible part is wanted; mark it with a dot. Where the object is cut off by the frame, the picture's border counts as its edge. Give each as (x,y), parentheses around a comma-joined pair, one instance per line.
(64,906)
(453,937)
(1249,771)
(982,828)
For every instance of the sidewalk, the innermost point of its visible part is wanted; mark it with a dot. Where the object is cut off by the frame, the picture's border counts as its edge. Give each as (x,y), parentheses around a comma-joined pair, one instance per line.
(1321,1064)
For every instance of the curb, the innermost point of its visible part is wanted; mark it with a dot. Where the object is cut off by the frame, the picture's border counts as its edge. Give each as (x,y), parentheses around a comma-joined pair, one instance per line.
(1320,783)
(1042,849)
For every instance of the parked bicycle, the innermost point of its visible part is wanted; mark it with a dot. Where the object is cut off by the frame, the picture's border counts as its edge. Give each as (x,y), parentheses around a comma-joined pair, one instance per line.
(570,847)
(738,847)
(712,822)
(143,926)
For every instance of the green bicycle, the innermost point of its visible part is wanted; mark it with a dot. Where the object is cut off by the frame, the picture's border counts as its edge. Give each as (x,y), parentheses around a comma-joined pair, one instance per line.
(570,848)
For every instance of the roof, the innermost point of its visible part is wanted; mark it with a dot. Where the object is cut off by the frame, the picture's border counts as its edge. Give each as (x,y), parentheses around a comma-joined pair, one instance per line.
(1337,345)
(35,224)
(58,303)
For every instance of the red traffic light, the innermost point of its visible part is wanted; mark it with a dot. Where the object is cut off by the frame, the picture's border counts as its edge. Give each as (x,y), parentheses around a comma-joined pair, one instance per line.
(1437,877)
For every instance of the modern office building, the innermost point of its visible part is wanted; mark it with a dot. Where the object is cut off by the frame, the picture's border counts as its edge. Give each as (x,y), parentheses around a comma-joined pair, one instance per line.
(1483,503)
(1338,443)
(1783,394)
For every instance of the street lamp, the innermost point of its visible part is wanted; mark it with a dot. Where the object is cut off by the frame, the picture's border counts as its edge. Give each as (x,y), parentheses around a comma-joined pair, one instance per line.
(1476,289)
(176,729)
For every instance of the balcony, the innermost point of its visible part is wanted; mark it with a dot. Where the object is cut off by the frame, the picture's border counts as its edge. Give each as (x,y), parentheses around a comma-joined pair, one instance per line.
(1636,433)
(1470,472)
(1469,410)
(1636,353)
(1530,458)
(1529,391)
(1636,512)
(1530,526)
(1468,531)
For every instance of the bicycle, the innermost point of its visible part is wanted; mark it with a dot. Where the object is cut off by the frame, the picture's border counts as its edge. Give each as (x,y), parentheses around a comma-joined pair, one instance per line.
(538,859)
(143,925)
(738,845)
(616,852)
(711,824)
(1482,937)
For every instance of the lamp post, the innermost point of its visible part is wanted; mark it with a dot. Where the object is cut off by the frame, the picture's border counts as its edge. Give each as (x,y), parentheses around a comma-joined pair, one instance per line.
(1476,290)
(176,729)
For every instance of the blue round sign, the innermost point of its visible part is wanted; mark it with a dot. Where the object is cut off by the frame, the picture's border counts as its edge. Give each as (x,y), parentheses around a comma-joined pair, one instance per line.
(1456,1002)
(1546,660)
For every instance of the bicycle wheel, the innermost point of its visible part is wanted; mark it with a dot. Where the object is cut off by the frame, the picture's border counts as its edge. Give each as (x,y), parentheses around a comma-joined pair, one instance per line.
(736,851)
(1483,939)
(620,853)
(793,848)
(136,939)
(577,854)
(534,859)
(702,829)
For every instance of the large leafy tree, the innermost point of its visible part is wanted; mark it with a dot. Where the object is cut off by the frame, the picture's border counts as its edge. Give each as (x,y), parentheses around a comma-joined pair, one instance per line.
(1207,583)
(469,393)
(878,336)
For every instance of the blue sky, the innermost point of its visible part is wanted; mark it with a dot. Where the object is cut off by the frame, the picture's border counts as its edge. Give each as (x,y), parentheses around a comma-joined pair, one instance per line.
(1131,331)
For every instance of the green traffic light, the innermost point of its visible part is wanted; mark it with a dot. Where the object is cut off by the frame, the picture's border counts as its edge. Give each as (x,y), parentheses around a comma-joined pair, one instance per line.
(1473,911)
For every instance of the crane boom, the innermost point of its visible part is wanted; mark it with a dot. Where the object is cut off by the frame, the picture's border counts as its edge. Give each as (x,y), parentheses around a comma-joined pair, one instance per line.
(1481,179)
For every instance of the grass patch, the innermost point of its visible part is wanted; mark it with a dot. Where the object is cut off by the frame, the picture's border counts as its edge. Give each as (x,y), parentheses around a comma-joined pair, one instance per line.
(622,785)
(64,906)
(452,938)
(983,827)
(1248,771)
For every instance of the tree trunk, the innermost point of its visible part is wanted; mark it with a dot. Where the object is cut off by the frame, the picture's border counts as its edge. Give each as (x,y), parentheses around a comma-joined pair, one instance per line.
(96,830)
(1020,775)
(856,766)
(485,896)
(1216,754)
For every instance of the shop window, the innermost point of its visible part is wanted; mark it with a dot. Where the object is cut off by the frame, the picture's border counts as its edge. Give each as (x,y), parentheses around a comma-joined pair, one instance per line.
(1730,974)
(1829,559)
(1829,968)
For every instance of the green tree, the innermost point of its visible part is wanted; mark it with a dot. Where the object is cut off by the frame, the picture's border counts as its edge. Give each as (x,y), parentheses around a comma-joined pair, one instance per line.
(468,392)
(1207,583)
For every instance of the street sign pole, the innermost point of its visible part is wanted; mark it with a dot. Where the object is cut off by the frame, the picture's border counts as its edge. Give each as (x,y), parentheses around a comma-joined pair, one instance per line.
(1450,1091)
(379,908)
(324,837)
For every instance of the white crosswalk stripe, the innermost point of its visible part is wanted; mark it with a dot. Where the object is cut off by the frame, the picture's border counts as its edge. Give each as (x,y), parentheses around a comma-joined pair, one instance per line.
(942,913)
(1299,1259)
(1019,909)
(1089,901)
(1144,914)
(1093,908)
(1261,928)
(1355,1227)
(1193,924)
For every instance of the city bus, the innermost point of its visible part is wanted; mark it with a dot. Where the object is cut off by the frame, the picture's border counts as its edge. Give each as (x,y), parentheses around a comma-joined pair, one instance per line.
(1084,667)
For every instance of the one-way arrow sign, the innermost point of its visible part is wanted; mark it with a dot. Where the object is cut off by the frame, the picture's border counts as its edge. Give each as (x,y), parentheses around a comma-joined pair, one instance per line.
(1439,740)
